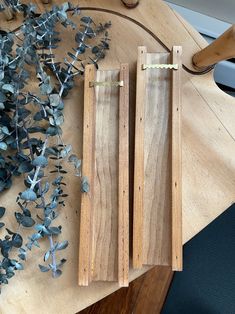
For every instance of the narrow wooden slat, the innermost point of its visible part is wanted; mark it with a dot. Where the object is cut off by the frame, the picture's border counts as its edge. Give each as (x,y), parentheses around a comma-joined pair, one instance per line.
(88,172)
(123,179)
(176,162)
(139,162)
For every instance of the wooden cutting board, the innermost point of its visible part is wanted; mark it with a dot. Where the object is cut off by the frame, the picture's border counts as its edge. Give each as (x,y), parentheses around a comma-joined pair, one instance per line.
(208,150)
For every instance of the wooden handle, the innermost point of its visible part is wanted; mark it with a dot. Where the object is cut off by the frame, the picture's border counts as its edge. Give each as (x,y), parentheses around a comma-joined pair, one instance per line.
(222,48)
(130,3)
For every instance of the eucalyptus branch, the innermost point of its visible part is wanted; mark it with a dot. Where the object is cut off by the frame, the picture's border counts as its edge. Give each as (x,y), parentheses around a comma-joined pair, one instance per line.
(23,113)
(78,52)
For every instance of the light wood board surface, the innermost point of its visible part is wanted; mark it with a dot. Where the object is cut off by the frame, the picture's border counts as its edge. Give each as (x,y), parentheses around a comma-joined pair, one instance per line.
(208,128)
(105,215)
(146,294)
(104,219)
(156,162)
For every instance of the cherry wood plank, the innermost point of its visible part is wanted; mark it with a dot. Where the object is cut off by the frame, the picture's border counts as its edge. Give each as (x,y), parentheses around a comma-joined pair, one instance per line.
(145,294)
(139,161)
(87,199)
(123,176)
(176,145)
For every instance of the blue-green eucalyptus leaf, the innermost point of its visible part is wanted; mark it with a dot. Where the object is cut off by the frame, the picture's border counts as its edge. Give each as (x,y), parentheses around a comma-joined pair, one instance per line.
(27,221)
(85,187)
(9,88)
(46,255)
(22,254)
(46,89)
(52,131)
(28,195)
(36,129)
(4,130)
(2,211)
(43,269)
(57,273)
(54,230)
(62,245)
(65,151)
(47,221)
(86,20)
(3,146)
(25,167)
(10,274)
(22,257)
(17,265)
(40,228)
(35,236)
(40,161)
(55,100)
(17,240)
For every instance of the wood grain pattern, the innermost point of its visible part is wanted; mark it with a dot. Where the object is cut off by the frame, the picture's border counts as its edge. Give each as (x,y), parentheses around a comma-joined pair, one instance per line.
(176,162)
(161,209)
(139,161)
(154,10)
(123,179)
(144,295)
(105,218)
(157,159)
(104,225)
(88,169)
(208,133)
(222,48)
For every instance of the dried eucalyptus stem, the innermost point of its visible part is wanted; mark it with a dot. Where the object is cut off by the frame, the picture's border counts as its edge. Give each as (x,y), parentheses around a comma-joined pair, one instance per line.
(30,122)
